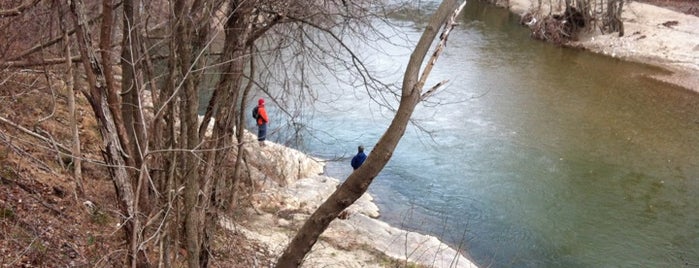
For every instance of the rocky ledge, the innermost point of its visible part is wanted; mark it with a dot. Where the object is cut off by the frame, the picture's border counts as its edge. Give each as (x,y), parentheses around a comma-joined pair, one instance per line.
(290,186)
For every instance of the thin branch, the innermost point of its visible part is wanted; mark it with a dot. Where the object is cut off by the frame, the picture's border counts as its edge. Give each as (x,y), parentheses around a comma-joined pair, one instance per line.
(50,42)
(44,166)
(432,90)
(17,10)
(355,59)
(34,134)
(34,63)
(19,151)
(28,247)
(451,22)
(259,32)
(53,99)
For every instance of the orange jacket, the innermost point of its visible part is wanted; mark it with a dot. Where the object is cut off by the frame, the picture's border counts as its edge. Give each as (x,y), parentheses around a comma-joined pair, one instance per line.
(262,118)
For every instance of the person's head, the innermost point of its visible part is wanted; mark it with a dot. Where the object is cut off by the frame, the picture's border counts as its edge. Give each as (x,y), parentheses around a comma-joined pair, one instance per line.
(261,101)
(360,148)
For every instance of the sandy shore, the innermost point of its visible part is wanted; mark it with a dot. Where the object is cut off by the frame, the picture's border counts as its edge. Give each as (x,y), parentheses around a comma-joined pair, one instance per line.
(653,35)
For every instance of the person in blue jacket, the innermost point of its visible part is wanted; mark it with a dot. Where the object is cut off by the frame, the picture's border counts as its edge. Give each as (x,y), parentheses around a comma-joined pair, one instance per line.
(358,159)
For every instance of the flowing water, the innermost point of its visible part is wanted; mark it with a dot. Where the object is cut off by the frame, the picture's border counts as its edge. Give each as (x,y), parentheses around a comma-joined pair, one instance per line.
(533,155)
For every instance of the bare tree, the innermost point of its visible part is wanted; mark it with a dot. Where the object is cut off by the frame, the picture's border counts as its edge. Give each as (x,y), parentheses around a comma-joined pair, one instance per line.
(164,166)
(612,18)
(98,96)
(76,150)
(578,16)
(358,182)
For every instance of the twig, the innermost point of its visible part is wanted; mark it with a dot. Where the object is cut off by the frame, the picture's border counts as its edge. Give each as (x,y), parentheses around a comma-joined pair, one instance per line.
(53,41)
(54,145)
(431,91)
(26,249)
(34,134)
(33,193)
(42,62)
(252,184)
(97,264)
(20,151)
(19,184)
(17,11)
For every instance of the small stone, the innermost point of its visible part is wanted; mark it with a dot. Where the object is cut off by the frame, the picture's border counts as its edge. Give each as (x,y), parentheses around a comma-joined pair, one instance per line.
(283,223)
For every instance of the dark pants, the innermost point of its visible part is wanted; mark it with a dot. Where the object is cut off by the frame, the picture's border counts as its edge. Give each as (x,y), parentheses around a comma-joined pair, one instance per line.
(262,132)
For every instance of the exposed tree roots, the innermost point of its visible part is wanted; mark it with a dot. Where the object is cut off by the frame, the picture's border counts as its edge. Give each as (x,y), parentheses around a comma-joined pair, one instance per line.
(556,28)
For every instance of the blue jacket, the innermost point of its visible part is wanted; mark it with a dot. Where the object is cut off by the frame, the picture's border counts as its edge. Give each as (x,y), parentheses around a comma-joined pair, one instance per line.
(358,160)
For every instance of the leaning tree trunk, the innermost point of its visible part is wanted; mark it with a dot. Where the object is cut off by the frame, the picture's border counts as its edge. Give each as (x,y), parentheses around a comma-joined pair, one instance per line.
(107,77)
(112,150)
(358,182)
(226,92)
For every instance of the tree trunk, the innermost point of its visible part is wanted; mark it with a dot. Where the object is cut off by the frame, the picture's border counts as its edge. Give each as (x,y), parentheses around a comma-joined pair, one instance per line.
(240,134)
(618,18)
(185,43)
(228,89)
(163,134)
(107,77)
(112,151)
(131,101)
(358,182)
(77,159)
(612,19)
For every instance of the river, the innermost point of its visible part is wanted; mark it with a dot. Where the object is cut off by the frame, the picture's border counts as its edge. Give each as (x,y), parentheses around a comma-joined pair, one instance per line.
(533,155)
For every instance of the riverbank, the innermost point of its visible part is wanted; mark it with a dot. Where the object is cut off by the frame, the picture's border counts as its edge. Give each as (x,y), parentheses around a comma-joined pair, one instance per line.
(360,240)
(290,187)
(653,35)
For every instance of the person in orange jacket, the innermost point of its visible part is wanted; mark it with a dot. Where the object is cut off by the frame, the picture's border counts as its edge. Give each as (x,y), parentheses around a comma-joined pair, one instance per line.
(262,121)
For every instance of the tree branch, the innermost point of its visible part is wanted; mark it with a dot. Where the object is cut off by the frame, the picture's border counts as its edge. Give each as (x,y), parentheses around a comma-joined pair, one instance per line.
(34,63)
(448,26)
(432,90)
(17,10)
(356,61)
(34,134)
(259,32)
(50,42)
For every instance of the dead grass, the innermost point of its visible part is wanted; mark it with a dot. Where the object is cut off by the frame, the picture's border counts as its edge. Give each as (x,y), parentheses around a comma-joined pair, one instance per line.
(43,223)
(234,250)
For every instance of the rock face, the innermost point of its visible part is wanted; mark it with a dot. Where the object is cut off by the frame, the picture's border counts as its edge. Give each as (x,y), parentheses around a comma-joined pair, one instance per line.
(284,165)
(396,243)
(292,189)
(308,193)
